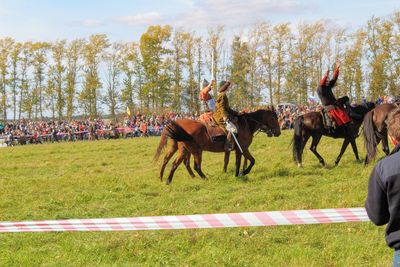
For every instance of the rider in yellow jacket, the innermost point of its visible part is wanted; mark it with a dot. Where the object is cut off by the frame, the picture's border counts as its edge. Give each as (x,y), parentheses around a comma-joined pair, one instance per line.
(224,114)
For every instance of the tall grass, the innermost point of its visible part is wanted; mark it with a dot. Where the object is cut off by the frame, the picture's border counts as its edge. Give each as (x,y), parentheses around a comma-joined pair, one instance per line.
(117,179)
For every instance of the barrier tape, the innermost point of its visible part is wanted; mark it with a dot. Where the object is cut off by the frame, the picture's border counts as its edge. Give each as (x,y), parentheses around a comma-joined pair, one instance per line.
(222,220)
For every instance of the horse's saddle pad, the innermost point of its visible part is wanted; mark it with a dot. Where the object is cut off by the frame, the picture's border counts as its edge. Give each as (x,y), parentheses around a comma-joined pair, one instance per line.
(216,133)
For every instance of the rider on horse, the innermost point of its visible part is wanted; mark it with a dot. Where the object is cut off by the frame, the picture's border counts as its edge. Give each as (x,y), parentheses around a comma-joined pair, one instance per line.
(205,97)
(224,115)
(332,106)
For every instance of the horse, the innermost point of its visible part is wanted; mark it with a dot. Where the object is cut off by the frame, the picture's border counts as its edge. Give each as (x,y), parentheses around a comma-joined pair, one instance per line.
(375,130)
(311,125)
(192,138)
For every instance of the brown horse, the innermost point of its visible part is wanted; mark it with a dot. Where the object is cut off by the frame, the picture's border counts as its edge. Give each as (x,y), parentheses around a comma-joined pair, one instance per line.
(192,138)
(311,125)
(375,130)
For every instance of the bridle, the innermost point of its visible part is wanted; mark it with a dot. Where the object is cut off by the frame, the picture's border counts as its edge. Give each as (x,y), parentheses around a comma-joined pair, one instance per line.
(262,127)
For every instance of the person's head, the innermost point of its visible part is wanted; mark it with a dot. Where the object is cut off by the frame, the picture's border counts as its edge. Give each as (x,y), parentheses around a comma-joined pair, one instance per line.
(393,123)
(223,86)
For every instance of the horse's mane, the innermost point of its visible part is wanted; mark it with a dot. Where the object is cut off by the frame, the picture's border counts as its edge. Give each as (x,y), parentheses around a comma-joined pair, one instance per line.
(363,108)
(255,116)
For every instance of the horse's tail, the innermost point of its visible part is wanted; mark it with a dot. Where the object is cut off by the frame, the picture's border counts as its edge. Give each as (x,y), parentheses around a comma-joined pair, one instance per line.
(297,139)
(370,141)
(161,145)
(176,132)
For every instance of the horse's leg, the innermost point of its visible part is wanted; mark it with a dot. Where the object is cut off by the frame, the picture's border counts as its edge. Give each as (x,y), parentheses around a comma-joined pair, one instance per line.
(175,165)
(238,159)
(173,148)
(342,150)
(244,164)
(226,160)
(354,147)
(247,155)
(187,164)
(313,148)
(303,141)
(197,164)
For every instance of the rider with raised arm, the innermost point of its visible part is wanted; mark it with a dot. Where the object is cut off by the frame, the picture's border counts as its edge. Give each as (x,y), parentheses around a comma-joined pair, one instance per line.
(224,115)
(205,97)
(331,105)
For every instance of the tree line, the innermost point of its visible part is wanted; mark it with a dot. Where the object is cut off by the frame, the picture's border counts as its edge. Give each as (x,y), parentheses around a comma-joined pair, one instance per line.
(164,69)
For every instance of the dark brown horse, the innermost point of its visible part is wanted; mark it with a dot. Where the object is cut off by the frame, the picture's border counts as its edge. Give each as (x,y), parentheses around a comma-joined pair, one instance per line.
(192,138)
(375,130)
(311,125)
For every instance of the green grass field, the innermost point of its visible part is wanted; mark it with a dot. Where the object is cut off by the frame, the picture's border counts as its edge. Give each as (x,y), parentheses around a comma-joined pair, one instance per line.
(116,178)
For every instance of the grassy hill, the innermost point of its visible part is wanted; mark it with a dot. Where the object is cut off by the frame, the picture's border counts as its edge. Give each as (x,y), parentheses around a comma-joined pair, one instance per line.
(117,179)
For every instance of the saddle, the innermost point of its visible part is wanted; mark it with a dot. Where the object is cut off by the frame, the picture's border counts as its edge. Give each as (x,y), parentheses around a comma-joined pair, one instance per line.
(396,101)
(217,133)
(207,117)
(327,120)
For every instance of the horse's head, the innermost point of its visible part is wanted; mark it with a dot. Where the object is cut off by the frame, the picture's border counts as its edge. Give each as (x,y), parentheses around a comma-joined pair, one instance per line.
(269,122)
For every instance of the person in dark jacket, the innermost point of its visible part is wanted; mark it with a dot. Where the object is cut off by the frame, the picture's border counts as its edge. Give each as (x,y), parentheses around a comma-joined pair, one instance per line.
(332,106)
(383,200)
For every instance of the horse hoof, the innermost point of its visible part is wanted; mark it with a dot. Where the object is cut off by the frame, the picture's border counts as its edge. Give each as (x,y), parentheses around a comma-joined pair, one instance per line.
(322,164)
(299,165)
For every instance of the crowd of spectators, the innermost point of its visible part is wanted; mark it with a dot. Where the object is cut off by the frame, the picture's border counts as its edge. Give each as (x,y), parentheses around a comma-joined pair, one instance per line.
(287,113)
(36,132)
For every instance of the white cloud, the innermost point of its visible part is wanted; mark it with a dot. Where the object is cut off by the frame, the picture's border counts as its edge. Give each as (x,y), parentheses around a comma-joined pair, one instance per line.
(141,19)
(231,13)
(91,23)
(88,23)
(254,7)
(238,13)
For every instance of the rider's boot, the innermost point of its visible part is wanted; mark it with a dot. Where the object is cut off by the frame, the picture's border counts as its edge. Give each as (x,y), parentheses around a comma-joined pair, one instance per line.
(329,123)
(228,144)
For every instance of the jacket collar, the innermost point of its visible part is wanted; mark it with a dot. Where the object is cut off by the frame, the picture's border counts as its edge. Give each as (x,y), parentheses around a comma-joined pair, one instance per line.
(395,149)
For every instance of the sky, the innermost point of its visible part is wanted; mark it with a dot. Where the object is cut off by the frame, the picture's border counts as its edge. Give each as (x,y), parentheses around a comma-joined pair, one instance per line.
(123,20)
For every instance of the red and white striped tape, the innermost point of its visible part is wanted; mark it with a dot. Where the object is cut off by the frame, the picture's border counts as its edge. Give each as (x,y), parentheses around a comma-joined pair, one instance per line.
(270,218)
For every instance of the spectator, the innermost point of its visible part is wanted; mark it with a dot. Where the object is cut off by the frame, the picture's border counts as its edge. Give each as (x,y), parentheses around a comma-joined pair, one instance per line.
(143,129)
(383,198)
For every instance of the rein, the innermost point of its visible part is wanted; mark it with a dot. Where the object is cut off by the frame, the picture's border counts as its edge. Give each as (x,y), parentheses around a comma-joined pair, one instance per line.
(258,123)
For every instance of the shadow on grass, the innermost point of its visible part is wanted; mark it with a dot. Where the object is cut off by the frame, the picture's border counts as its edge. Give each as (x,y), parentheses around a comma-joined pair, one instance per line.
(243,178)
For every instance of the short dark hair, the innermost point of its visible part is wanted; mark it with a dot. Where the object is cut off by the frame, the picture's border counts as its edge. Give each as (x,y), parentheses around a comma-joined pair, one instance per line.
(393,123)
